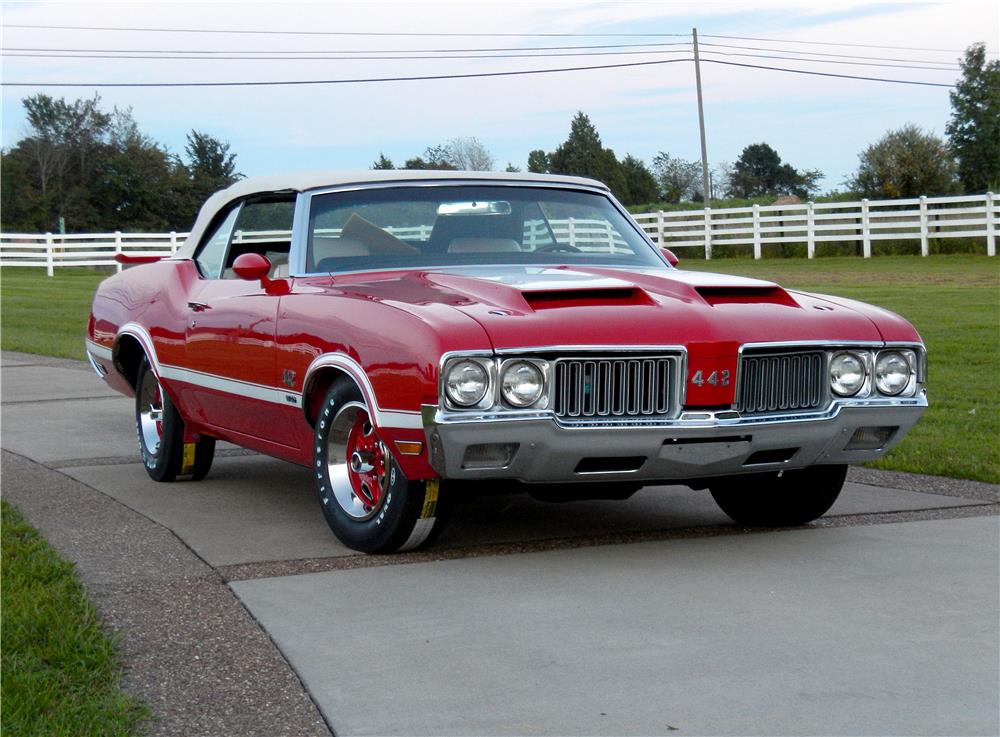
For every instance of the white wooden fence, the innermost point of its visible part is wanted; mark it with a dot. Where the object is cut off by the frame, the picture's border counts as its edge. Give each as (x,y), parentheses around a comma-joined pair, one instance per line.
(749,229)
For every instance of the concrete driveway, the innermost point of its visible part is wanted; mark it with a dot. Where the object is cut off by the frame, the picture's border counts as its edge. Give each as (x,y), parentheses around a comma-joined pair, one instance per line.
(242,614)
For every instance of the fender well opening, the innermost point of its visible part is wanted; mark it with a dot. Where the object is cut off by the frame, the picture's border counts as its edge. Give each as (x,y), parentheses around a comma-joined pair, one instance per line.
(317,385)
(128,355)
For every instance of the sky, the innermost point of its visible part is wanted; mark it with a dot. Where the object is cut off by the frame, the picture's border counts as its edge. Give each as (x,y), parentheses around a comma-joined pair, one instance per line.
(813,122)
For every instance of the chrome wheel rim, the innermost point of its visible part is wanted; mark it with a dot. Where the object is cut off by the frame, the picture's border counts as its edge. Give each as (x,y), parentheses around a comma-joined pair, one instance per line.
(150,414)
(356,463)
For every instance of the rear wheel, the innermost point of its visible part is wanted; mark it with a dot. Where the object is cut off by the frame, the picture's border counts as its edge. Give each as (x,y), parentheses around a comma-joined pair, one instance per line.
(786,500)
(367,501)
(160,431)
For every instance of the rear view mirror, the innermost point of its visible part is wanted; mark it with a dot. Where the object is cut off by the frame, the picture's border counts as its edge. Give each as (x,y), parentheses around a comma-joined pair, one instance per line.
(670,256)
(496,207)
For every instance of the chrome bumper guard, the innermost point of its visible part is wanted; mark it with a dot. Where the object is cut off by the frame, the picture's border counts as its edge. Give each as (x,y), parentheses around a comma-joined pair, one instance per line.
(695,445)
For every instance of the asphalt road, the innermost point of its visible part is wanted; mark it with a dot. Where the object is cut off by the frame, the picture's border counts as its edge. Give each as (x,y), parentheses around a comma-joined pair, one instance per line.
(242,615)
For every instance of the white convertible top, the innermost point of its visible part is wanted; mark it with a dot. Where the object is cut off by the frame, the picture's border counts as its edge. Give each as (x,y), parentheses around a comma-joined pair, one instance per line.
(304,181)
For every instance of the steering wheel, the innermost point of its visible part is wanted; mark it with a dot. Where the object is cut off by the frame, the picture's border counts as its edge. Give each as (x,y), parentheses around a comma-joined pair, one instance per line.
(558,247)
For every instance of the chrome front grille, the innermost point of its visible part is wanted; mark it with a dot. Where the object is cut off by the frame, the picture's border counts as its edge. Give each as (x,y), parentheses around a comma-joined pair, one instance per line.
(611,387)
(781,382)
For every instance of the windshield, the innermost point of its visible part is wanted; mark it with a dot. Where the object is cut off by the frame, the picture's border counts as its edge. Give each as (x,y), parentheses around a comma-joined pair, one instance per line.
(405,227)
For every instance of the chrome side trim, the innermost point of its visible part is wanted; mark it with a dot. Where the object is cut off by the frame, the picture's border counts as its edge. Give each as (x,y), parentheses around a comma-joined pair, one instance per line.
(230,386)
(98,350)
(395,418)
(98,368)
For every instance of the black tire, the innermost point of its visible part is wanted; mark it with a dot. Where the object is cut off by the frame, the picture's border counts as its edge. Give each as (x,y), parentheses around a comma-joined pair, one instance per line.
(769,500)
(367,501)
(160,431)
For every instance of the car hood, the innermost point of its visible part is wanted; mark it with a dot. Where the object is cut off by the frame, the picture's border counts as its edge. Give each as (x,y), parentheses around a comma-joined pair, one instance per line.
(521,306)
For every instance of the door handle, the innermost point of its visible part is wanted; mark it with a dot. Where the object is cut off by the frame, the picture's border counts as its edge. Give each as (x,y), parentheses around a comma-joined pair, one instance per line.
(198,306)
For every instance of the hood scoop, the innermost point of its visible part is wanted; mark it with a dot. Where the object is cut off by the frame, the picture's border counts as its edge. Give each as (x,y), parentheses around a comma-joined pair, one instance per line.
(745,295)
(553,298)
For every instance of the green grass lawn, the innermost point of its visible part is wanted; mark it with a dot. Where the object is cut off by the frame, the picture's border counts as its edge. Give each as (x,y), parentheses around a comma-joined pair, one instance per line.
(46,315)
(954,301)
(61,672)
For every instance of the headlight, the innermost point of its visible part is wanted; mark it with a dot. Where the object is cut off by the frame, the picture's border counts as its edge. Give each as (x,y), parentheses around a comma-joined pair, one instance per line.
(466,383)
(892,373)
(847,374)
(522,384)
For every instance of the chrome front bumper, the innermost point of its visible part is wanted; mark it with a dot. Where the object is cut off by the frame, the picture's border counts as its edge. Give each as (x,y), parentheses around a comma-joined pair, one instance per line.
(696,445)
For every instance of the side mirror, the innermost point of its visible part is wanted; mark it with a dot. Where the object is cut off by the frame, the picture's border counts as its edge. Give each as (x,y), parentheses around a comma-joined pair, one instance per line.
(251,267)
(669,255)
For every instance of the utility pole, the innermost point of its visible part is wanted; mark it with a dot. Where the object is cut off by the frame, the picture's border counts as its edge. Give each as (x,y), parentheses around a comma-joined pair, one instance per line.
(706,191)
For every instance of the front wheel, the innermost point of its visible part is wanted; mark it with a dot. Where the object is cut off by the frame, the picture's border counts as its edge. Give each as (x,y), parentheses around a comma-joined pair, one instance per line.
(160,431)
(367,501)
(787,499)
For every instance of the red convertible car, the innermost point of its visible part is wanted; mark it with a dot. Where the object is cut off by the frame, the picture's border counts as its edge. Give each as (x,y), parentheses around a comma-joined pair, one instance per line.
(414,336)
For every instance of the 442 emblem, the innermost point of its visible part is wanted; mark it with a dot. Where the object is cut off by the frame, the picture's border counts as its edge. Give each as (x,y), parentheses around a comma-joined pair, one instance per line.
(716,378)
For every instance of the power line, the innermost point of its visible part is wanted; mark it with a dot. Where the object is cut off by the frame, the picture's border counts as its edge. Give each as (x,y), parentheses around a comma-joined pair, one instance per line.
(352,51)
(433,57)
(476,53)
(832,61)
(824,53)
(445,34)
(344,33)
(826,74)
(179,57)
(418,78)
(835,43)
(299,82)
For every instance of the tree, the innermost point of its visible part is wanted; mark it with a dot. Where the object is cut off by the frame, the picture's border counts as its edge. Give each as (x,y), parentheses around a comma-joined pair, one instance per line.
(511,168)
(22,208)
(209,162)
(141,185)
(59,152)
(974,128)
(906,163)
(383,162)
(97,171)
(678,178)
(759,172)
(719,179)
(582,154)
(210,167)
(641,183)
(468,154)
(435,157)
(538,162)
